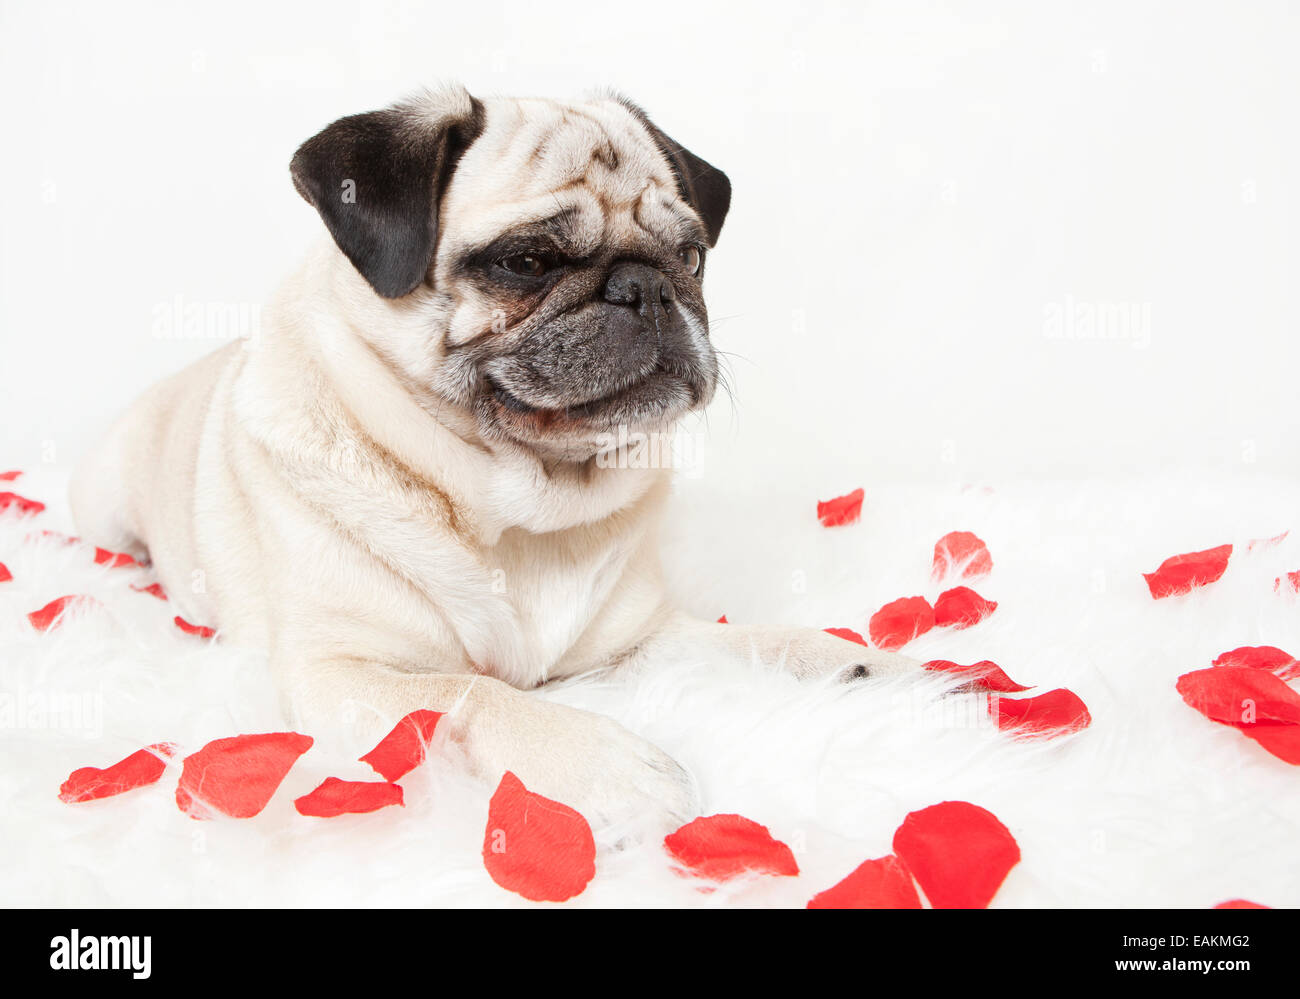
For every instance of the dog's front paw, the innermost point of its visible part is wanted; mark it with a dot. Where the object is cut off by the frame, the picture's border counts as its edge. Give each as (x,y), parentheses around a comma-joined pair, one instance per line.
(630,780)
(871,663)
(814,654)
(613,777)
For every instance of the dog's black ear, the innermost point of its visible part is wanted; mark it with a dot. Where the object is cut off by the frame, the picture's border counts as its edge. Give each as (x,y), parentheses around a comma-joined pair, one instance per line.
(376,180)
(703,186)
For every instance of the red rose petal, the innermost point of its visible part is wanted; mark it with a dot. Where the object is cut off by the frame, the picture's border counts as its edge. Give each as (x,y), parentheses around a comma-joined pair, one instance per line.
(340,797)
(403,749)
(723,619)
(883,883)
(899,621)
(961,607)
(985,676)
(153,589)
(5,574)
(200,630)
(725,846)
(1056,712)
(10,476)
(26,507)
(536,847)
(961,552)
(137,770)
(1279,738)
(1241,903)
(958,852)
(848,634)
(237,776)
(1268,657)
(1291,584)
(841,510)
(114,560)
(50,615)
(1182,573)
(1229,694)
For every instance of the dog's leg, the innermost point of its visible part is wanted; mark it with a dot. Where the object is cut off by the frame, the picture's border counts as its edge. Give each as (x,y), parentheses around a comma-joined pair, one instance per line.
(805,652)
(581,759)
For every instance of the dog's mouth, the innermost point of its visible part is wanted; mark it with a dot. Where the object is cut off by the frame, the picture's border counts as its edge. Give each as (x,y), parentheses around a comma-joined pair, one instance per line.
(510,402)
(654,398)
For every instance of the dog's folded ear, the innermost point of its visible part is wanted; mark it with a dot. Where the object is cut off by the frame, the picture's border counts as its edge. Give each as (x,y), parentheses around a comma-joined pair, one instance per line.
(703,186)
(376,180)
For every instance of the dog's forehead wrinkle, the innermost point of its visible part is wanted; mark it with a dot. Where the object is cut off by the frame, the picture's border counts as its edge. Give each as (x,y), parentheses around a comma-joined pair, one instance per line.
(594,162)
(562,144)
(583,229)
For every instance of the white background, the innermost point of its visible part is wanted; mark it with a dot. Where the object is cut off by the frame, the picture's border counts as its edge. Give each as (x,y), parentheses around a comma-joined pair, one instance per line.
(917,186)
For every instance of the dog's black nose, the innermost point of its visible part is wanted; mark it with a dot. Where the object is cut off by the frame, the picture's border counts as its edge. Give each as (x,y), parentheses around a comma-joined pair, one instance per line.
(638,285)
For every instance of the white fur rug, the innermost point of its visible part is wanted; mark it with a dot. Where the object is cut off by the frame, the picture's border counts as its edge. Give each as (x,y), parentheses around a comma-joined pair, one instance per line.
(1152,806)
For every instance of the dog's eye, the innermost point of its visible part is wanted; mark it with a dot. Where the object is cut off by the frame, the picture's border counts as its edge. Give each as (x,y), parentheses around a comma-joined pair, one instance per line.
(692,257)
(526,264)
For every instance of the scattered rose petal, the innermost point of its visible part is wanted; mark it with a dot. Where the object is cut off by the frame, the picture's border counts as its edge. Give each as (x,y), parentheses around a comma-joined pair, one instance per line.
(961,552)
(848,634)
(5,574)
(841,510)
(153,589)
(403,749)
(1182,573)
(10,476)
(1279,738)
(50,615)
(1252,700)
(1238,695)
(958,852)
(961,607)
(237,776)
(1290,582)
(1268,657)
(137,770)
(723,619)
(202,631)
(899,621)
(114,560)
(26,507)
(1056,712)
(339,797)
(1241,903)
(985,675)
(720,847)
(1272,542)
(536,847)
(883,883)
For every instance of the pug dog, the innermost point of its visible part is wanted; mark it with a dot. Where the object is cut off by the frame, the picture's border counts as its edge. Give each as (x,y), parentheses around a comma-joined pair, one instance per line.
(407,489)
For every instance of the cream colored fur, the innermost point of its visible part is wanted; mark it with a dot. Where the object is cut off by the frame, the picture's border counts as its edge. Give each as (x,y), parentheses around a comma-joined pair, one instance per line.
(309,493)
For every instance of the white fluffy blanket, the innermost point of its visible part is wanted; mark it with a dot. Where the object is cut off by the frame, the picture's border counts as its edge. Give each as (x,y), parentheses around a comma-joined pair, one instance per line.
(1153,805)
